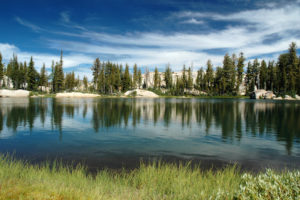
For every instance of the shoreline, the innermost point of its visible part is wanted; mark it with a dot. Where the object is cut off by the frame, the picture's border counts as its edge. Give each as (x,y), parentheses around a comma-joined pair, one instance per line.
(27,94)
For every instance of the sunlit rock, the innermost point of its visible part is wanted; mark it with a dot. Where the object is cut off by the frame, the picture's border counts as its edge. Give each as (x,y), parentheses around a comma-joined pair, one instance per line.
(14,93)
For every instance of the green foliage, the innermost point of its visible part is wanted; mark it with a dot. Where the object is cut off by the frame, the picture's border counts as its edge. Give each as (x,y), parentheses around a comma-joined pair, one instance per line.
(270,185)
(200,85)
(85,83)
(282,77)
(58,78)
(240,71)
(229,74)
(190,79)
(156,79)
(96,70)
(135,76)
(209,77)
(150,181)
(70,81)
(32,76)
(139,78)
(168,77)
(126,82)
(43,77)
(1,70)
(263,75)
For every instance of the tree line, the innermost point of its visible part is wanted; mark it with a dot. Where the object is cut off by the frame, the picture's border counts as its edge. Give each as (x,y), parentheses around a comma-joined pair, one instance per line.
(25,76)
(281,77)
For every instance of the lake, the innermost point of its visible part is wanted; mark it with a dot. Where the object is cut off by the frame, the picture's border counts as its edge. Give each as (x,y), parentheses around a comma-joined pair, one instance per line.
(120,132)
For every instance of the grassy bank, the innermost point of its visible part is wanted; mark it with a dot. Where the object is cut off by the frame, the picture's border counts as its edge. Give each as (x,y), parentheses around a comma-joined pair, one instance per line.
(20,180)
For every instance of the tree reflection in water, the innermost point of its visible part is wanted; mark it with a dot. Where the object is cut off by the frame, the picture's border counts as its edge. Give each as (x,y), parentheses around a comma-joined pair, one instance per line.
(234,118)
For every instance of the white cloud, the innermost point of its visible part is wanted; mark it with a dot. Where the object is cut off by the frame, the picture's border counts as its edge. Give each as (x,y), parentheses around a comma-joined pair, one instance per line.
(151,49)
(25,23)
(192,21)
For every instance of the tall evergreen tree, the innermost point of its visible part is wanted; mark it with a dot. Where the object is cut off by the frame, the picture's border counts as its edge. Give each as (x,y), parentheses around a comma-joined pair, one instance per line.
(219,81)
(126,79)
(1,71)
(135,76)
(209,77)
(263,75)
(190,79)
(283,62)
(229,74)
(292,69)
(85,83)
(168,77)
(96,72)
(43,77)
(240,71)
(31,76)
(255,72)
(156,78)
(200,79)
(101,80)
(184,78)
(271,76)
(250,79)
(139,78)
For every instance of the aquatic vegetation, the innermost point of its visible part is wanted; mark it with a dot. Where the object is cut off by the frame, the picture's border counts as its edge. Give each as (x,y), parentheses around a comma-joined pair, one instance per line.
(21,180)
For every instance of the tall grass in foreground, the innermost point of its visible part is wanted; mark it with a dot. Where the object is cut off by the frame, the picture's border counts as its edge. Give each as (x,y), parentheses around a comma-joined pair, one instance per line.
(20,180)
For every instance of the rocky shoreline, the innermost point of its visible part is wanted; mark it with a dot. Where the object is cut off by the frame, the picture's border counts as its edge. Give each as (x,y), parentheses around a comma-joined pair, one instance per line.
(264,94)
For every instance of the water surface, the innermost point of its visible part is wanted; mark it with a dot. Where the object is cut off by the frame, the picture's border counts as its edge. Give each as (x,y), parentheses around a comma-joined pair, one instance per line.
(116,133)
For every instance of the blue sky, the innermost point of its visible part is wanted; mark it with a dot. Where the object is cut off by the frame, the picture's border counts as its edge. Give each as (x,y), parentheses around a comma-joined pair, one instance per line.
(150,33)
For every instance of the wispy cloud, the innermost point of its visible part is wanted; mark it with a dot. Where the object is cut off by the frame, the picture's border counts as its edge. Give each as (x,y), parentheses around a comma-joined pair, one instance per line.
(65,19)
(245,31)
(27,24)
(192,21)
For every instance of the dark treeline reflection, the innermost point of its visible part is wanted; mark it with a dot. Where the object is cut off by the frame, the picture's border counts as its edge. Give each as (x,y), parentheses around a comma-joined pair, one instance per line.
(231,118)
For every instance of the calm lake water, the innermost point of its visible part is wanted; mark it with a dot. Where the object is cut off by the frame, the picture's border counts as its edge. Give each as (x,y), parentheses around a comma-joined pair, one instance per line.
(116,133)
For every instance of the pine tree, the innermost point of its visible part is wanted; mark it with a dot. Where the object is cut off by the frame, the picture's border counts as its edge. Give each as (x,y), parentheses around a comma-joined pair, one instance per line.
(70,81)
(240,71)
(255,72)
(190,79)
(96,71)
(1,71)
(101,80)
(135,76)
(43,77)
(209,76)
(139,78)
(183,78)
(219,81)
(263,75)
(229,74)
(85,83)
(292,69)
(270,76)
(250,79)
(200,79)
(14,73)
(22,75)
(156,78)
(168,77)
(31,76)
(282,72)
(179,88)
(126,79)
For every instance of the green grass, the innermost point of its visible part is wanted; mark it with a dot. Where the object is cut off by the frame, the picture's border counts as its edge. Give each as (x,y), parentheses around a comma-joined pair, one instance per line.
(21,180)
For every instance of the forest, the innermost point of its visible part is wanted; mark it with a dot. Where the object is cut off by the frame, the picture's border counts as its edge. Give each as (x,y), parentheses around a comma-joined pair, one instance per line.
(281,76)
